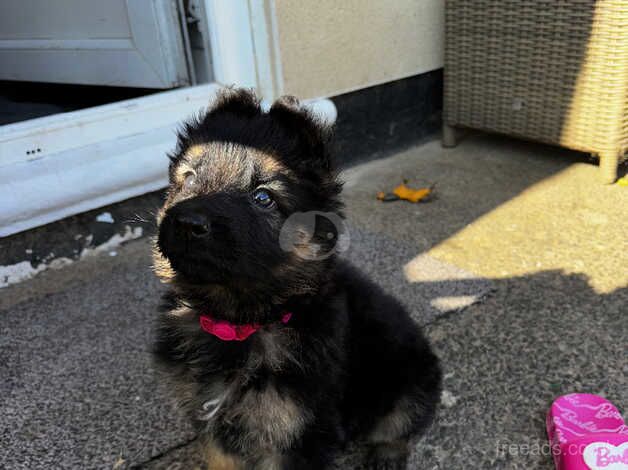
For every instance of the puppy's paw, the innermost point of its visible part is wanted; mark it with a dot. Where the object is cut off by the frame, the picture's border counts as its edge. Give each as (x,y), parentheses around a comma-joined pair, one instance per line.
(387,456)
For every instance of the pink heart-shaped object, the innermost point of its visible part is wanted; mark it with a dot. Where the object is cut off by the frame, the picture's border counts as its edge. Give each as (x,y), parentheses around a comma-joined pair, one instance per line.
(587,432)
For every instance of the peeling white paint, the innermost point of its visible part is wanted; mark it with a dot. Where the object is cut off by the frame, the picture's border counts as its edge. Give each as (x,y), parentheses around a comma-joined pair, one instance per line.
(22,271)
(448,399)
(113,242)
(18,272)
(105,217)
(57,263)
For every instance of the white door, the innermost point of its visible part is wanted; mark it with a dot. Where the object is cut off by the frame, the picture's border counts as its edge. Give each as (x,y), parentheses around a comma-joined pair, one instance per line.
(133,43)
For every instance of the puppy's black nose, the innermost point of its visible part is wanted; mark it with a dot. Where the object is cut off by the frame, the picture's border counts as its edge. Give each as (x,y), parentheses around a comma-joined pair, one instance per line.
(193,224)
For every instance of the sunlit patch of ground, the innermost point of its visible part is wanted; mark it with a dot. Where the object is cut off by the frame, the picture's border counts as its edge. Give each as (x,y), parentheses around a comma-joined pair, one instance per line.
(568,221)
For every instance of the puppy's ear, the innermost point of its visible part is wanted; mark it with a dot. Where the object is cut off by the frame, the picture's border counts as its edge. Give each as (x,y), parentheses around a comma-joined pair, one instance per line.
(226,119)
(239,101)
(312,136)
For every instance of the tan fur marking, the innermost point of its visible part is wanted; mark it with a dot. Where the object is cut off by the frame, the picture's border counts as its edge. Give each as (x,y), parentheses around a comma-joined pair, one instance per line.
(196,151)
(182,169)
(268,163)
(192,154)
(161,266)
(270,461)
(288,101)
(397,422)
(277,345)
(181,312)
(161,213)
(229,165)
(271,421)
(217,459)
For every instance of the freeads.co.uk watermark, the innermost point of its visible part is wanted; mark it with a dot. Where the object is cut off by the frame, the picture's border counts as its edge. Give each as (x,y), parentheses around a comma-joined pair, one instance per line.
(314,235)
(533,448)
(544,448)
(598,455)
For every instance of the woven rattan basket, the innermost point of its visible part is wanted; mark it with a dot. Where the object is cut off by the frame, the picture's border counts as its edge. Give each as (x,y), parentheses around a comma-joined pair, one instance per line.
(554,71)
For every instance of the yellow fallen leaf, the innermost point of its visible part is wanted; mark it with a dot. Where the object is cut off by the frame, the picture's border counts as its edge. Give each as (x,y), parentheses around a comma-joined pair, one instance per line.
(412,195)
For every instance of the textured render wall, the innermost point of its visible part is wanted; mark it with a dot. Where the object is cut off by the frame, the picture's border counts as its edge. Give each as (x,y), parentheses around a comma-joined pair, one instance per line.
(329,47)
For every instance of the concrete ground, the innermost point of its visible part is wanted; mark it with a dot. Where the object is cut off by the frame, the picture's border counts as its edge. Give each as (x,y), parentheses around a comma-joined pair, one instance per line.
(520,234)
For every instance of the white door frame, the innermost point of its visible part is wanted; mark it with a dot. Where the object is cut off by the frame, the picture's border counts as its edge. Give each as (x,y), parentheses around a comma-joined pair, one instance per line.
(244,45)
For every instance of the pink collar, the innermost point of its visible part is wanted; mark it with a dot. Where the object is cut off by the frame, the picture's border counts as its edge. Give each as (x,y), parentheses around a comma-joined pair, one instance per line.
(227,331)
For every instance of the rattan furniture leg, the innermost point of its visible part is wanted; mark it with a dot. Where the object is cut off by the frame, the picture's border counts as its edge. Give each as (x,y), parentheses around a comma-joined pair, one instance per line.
(450,136)
(609,161)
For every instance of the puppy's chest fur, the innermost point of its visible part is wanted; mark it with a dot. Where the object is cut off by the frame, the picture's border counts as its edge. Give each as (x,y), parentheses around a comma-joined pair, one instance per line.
(244,402)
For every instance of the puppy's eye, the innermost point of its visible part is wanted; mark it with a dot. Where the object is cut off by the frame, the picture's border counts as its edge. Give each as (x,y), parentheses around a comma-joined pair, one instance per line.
(262,198)
(189,181)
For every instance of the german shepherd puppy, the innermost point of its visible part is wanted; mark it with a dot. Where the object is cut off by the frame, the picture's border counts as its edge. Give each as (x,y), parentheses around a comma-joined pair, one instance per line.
(279,355)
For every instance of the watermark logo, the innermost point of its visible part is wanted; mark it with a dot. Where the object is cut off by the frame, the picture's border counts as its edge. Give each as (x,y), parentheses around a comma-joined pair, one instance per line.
(530,448)
(314,235)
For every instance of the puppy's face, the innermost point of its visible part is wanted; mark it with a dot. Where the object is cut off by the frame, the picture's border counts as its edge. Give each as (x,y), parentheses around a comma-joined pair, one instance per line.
(226,208)
(235,179)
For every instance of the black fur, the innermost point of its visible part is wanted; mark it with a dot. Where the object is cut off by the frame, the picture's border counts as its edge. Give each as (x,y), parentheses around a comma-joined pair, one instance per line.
(349,359)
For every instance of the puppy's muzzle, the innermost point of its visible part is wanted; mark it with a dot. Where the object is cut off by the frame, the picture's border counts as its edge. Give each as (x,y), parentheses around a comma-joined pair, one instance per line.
(200,227)
(192,224)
